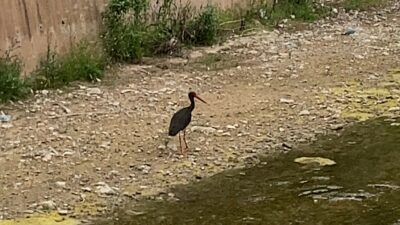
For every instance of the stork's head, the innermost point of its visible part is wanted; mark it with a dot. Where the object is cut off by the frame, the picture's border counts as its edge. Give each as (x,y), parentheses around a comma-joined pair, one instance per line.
(193,95)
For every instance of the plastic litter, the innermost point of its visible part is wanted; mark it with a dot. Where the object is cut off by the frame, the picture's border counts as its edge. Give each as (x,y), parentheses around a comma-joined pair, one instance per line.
(5,118)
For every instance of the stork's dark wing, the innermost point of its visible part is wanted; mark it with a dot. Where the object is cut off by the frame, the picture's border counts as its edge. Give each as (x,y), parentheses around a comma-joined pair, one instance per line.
(179,121)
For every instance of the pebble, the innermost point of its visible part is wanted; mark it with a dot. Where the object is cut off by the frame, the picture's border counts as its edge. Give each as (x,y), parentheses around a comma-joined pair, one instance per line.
(206,130)
(61,184)
(45,92)
(195,55)
(337,126)
(172,146)
(62,212)
(286,101)
(28,211)
(349,31)
(231,127)
(47,157)
(318,160)
(86,189)
(48,205)
(94,91)
(304,113)
(104,189)
(287,145)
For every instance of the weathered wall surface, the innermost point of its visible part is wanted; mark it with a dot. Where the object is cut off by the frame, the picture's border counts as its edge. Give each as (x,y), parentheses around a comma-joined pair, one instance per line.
(34,24)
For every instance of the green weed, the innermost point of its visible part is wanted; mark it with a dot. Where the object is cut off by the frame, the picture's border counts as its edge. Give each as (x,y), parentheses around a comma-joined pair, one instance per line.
(83,62)
(12,86)
(132,29)
(363,4)
(204,27)
(272,12)
(125,29)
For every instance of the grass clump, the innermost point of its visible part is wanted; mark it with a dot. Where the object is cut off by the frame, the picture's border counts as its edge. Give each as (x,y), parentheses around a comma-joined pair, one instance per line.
(133,29)
(272,12)
(267,13)
(303,10)
(204,27)
(82,63)
(363,4)
(125,30)
(12,86)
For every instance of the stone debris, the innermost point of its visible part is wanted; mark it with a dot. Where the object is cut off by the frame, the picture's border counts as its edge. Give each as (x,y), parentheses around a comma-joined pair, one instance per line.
(104,189)
(315,160)
(267,92)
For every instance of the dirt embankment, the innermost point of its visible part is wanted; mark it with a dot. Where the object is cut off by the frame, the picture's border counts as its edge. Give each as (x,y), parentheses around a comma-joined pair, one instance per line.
(78,151)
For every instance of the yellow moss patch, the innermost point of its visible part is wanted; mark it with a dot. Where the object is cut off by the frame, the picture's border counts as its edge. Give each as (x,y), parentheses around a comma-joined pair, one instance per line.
(388,84)
(378,92)
(354,83)
(362,93)
(300,121)
(321,98)
(360,116)
(373,105)
(42,219)
(87,208)
(351,87)
(389,104)
(395,75)
(92,205)
(364,101)
(339,90)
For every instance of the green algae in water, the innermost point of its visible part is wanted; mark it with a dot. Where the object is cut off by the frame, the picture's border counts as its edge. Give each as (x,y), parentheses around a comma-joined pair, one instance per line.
(362,188)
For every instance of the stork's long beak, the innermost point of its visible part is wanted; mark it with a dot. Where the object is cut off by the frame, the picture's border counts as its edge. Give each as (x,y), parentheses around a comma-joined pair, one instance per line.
(196,96)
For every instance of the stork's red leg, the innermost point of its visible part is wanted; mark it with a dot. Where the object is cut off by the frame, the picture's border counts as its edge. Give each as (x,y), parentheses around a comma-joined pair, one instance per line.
(180,142)
(184,139)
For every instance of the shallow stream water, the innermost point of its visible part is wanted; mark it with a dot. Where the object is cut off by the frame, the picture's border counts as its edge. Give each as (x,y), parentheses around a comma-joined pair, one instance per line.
(362,188)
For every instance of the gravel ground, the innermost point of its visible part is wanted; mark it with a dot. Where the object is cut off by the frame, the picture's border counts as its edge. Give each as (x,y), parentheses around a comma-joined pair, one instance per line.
(87,148)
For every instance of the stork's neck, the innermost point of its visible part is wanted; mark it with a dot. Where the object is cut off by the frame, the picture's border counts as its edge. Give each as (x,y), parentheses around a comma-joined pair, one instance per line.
(191,107)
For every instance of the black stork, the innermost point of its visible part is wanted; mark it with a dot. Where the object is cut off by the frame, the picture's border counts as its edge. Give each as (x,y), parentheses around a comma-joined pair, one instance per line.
(181,119)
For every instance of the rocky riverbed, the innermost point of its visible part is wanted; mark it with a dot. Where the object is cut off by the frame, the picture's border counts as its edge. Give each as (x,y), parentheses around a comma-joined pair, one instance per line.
(83,150)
